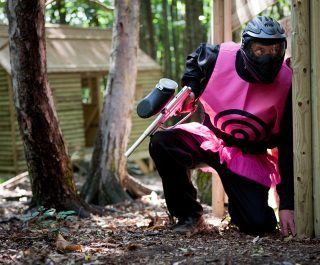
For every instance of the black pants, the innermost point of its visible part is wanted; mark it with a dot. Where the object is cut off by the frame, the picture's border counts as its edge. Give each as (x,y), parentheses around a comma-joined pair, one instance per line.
(175,152)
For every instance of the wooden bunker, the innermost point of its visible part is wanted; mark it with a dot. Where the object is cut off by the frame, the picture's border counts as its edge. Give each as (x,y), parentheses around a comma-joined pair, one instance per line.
(77,62)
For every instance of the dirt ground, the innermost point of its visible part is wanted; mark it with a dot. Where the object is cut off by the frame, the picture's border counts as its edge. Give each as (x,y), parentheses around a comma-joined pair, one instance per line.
(134,233)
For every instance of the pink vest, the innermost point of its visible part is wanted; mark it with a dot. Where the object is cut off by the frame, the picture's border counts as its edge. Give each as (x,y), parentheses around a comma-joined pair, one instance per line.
(244,110)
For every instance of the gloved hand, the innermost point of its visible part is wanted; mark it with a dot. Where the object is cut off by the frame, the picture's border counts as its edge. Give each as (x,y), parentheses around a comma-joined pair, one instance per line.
(188,105)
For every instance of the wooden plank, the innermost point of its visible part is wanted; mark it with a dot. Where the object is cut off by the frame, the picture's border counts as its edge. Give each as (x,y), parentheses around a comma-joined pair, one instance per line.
(7,162)
(302,147)
(65,106)
(70,113)
(315,103)
(243,12)
(7,169)
(218,19)
(218,37)
(60,78)
(218,196)
(139,155)
(13,124)
(4,152)
(7,133)
(227,20)
(66,119)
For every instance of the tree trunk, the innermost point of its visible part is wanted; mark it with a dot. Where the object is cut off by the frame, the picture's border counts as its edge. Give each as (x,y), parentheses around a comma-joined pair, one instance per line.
(166,41)
(147,43)
(194,30)
(49,166)
(175,32)
(61,7)
(108,171)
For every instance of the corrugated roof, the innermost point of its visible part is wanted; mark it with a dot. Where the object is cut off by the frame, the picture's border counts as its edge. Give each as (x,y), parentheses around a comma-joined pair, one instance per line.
(73,49)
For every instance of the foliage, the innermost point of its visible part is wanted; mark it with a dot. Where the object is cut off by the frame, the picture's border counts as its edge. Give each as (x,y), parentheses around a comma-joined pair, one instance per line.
(280,10)
(96,13)
(4,178)
(48,219)
(203,182)
(85,13)
(3,17)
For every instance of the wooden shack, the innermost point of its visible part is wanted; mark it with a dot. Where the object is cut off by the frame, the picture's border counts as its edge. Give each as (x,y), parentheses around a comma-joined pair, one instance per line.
(77,62)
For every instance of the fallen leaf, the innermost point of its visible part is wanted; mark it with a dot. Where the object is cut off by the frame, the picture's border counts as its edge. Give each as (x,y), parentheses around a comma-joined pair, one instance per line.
(256,239)
(132,247)
(61,243)
(77,248)
(64,245)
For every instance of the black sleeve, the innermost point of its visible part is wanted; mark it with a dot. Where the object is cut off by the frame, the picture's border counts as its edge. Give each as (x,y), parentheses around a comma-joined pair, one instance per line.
(199,67)
(285,150)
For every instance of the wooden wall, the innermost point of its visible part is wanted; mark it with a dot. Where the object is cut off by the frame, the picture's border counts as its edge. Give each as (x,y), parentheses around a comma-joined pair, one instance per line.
(68,101)
(7,155)
(11,149)
(67,94)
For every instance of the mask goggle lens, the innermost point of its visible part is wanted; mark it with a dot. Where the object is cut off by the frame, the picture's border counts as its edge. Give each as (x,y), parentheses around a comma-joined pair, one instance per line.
(275,50)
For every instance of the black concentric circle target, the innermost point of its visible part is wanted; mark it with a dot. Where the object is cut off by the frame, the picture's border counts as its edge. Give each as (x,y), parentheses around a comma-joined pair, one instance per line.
(241,124)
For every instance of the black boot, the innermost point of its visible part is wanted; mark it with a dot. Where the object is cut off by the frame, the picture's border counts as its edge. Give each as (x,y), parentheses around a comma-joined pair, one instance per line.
(189,225)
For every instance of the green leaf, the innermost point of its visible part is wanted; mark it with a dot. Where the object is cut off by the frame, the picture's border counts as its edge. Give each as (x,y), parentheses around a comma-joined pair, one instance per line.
(41,209)
(29,216)
(49,213)
(63,215)
(50,223)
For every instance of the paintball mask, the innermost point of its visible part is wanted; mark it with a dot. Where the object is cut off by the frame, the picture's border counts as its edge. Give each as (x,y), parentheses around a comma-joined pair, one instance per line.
(263,48)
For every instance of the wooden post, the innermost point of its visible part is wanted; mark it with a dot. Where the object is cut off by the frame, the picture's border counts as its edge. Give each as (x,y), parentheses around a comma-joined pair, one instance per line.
(227,25)
(315,97)
(302,117)
(216,38)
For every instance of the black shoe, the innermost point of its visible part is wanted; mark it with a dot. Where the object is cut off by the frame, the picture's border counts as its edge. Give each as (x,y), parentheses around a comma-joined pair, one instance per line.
(189,225)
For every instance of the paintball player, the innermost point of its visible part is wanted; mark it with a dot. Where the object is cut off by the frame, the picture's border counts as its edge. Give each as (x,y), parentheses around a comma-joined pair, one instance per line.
(245,91)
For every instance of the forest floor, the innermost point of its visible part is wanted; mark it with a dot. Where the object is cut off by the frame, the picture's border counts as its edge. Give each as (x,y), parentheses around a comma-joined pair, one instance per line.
(134,233)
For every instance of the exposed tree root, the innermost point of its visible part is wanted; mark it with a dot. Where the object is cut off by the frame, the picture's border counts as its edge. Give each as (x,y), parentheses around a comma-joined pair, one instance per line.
(135,187)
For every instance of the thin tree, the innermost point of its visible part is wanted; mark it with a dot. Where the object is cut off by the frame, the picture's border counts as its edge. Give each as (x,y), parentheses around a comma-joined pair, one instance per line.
(166,41)
(194,31)
(108,173)
(175,32)
(49,165)
(147,43)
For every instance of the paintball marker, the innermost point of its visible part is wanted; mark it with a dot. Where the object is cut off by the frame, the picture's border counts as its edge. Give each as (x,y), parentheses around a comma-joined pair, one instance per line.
(159,101)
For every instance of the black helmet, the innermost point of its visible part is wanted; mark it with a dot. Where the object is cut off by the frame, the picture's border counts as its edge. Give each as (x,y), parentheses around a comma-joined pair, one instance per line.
(263,28)
(266,31)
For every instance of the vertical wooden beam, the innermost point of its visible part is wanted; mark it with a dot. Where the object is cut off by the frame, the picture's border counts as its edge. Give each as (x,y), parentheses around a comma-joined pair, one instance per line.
(227,20)
(218,20)
(315,103)
(217,38)
(302,117)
